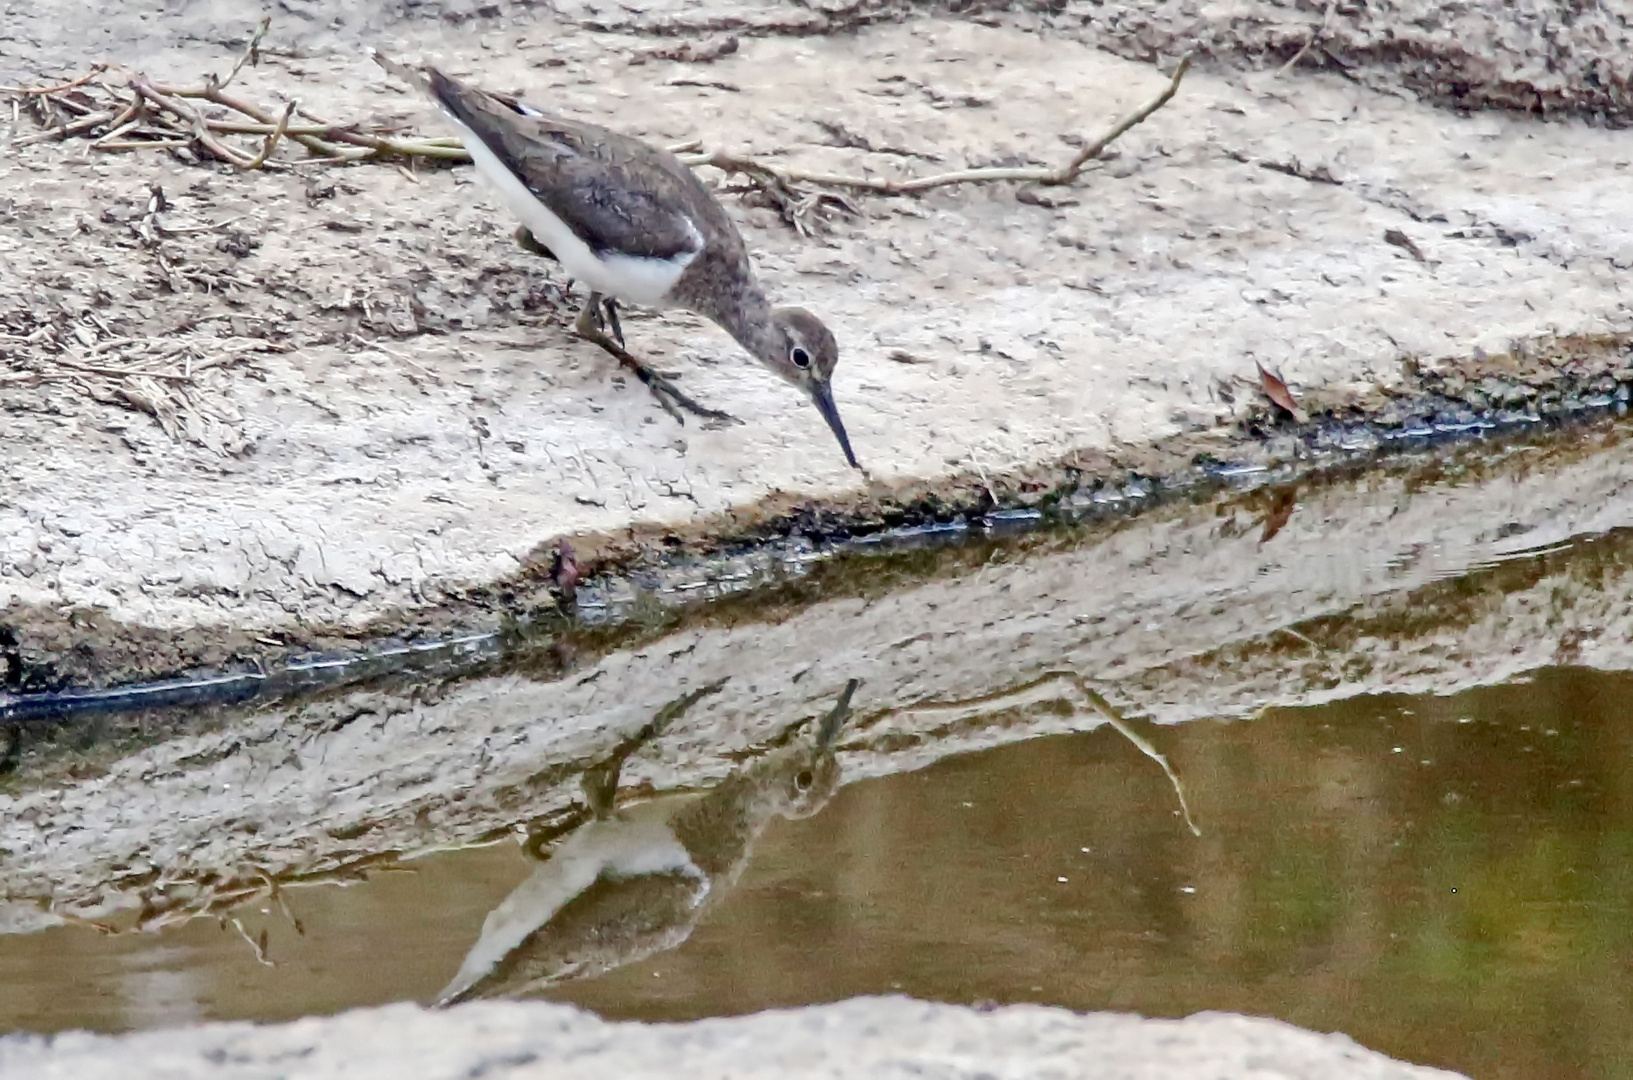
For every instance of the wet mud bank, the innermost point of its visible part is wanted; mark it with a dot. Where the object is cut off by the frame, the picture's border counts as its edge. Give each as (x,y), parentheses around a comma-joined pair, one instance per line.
(1449,576)
(382,433)
(59,663)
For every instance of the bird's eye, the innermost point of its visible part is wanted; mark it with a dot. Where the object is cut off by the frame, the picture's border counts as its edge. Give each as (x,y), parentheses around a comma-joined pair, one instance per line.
(803,778)
(800,357)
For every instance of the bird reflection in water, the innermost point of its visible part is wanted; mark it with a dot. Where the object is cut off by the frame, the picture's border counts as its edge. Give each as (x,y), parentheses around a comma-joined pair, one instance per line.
(634,881)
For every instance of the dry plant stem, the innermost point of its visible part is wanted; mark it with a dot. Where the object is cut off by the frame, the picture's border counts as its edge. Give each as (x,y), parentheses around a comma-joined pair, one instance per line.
(1064,175)
(167,114)
(258,944)
(201,130)
(1120,725)
(212,93)
(141,144)
(62,131)
(120,125)
(252,51)
(121,372)
(323,141)
(40,91)
(1316,35)
(323,130)
(1049,687)
(272,140)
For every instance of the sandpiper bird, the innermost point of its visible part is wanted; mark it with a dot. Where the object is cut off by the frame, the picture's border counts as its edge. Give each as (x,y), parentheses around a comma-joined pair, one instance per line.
(633,882)
(633,223)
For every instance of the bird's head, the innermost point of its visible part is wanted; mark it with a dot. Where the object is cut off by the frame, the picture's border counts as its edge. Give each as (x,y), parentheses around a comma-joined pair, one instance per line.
(804,352)
(808,772)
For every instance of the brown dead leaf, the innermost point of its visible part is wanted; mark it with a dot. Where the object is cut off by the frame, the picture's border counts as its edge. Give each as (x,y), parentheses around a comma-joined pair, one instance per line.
(1283,502)
(1405,243)
(1279,395)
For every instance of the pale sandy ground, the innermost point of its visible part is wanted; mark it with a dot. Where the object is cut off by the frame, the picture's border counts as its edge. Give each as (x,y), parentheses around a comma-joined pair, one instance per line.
(351,477)
(872,1037)
(423,431)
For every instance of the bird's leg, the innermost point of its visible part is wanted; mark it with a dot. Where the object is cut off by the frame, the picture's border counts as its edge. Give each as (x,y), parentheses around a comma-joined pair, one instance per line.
(600,782)
(610,306)
(600,786)
(591,327)
(530,243)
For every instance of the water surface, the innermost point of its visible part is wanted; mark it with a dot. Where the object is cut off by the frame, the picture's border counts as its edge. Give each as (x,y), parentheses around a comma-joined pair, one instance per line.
(1446,879)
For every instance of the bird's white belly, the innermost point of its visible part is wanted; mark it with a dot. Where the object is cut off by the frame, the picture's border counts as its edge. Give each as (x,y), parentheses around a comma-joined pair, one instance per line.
(630,278)
(635,841)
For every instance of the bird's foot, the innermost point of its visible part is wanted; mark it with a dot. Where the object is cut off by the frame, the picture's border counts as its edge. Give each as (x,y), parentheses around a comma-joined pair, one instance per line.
(673,398)
(591,327)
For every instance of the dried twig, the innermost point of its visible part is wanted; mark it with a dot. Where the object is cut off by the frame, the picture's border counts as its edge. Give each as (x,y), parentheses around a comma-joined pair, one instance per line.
(1065,174)
(1051,686)
(256,943)
(166,99)
(142,114)
(1316,34)
(252,51)
(272,139)
(62,131)
(96,69)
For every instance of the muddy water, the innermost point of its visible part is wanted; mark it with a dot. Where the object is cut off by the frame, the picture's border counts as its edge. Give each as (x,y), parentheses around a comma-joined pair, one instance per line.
(1397,705)
(1447,879)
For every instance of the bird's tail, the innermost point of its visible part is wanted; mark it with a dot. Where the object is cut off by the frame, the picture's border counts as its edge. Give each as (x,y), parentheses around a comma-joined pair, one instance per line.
(414,76)
(465,104)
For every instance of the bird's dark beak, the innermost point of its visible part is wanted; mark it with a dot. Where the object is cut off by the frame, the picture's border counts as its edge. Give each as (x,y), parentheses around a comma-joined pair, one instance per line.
(823,394)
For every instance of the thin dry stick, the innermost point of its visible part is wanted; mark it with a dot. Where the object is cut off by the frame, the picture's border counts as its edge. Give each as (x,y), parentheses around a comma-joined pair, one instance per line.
(120,373)
(272,140)
(983,474)
(1316,35)
(1063,175)
(323,142)
(166,114)
(212,93)
(1047,687)
(120,125)
(62,131)
(42,91)
(258,944)
(183,109)
(1103,707)
(252,52)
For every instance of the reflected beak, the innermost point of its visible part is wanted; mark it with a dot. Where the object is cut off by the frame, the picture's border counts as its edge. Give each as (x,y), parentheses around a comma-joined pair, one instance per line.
(829,730)
(822,394)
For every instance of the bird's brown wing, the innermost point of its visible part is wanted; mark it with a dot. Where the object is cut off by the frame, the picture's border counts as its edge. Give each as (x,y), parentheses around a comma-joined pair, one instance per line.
(619,194)
(616,921)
